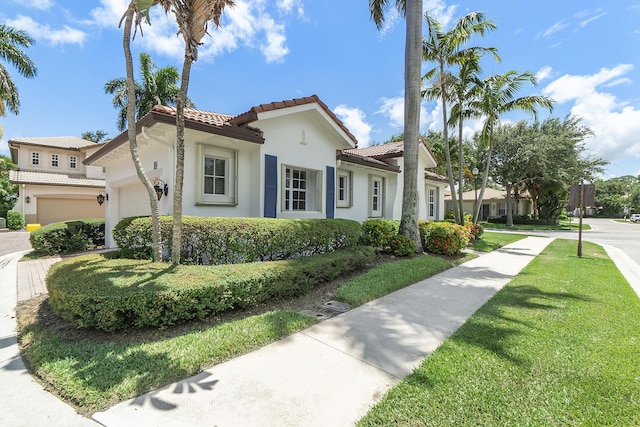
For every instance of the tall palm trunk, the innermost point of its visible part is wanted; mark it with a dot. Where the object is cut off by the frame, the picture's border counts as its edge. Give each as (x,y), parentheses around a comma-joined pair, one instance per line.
(156,238)
(485,178)
(460,159)
(176,243)
(447,145)
(413,63)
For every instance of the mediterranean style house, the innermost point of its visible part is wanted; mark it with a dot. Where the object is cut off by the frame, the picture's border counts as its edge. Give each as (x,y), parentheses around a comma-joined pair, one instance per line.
(494,203)
(54,183)
(289,159)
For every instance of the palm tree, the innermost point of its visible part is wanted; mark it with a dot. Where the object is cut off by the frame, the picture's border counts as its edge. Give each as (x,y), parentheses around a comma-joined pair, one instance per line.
(193,18)
(412,10)
(497,97)
(157,86)
(136,11)
(11,42)
(444,48)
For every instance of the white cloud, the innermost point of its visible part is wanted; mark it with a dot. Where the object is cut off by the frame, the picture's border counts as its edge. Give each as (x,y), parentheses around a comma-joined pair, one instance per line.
(248,23)
(65,35)
(393,109)
(440,11)
(587,21)
(543,73)
(615,122)
(354,120)
(558,26)
(36,4)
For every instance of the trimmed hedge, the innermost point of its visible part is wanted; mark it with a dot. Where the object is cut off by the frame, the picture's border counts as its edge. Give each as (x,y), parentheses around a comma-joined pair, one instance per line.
(211,241)
(520,220)
(68,236)
(15,220)
(376,231)
(443,238)
(94,291)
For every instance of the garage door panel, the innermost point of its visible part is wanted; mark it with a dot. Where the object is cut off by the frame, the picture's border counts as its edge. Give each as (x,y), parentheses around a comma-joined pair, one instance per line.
(51,210)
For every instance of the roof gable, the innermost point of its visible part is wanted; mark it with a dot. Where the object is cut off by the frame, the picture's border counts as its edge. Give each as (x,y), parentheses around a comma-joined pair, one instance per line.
(59,142)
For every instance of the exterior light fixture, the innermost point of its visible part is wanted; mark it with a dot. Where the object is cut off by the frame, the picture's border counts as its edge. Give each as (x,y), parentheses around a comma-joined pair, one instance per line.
(101,197)
(161,188)
(27,199)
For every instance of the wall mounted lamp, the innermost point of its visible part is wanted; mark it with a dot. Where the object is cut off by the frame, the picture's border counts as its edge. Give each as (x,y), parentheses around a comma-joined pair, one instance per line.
(101,197)
(161,188)
(27,199)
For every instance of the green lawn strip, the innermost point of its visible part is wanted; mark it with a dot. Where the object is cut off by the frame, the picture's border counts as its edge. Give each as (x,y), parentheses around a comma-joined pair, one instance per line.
(563,225)
(489,241)
(93,376)
(386,278)
(559,345)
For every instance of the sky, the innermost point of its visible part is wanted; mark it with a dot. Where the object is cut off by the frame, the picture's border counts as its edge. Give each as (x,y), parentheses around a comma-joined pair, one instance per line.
(586,56)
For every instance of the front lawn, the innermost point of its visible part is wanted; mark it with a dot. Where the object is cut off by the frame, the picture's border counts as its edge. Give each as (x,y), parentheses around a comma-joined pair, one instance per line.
(559,345)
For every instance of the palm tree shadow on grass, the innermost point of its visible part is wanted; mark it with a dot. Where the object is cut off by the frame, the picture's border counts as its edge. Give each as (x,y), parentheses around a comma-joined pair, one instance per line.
(493,329)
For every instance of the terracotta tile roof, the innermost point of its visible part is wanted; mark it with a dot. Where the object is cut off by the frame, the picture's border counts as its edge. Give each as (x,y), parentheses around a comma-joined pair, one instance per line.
(63,142)
(252,114)
(382,151)
(205,117)
(435,177)
(350,156)
(51,178)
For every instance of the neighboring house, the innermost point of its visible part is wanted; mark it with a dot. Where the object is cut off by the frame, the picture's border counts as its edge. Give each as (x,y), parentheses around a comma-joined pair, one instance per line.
(55,184)
(290,159)
(494,203)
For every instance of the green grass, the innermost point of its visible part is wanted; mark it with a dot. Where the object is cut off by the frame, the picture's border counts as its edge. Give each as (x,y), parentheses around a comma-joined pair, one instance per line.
(489,241)
(559,345)
(563,225)
(95,375)
(386,278)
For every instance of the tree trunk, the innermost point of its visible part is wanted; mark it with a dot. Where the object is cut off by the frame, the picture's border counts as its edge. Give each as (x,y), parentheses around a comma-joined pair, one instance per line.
(508,199)
(156,237)
(460,159)
(447,146)
(485,178)
(176,242)
(413,64)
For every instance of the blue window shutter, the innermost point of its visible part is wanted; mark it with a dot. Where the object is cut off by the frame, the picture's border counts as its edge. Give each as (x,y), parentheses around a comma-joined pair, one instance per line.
(270,185)
(331,192)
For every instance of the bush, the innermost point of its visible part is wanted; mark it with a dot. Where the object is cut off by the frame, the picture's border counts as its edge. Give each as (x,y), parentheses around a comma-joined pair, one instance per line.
(68,236)
(399,245)
(93,291)
(212,241)
(376,231)
(443,238)
(474,230)
(15,220)
(521,220)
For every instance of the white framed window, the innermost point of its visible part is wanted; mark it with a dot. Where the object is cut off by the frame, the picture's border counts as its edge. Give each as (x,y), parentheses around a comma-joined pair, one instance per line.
(73,162)
(502,208)
(300,189)
(431,202)
(376,196)
(35,158)
(343,189)
(216,175)
(55,160)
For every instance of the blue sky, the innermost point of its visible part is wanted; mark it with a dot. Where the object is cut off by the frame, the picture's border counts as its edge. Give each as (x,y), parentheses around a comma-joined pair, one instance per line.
(585,54)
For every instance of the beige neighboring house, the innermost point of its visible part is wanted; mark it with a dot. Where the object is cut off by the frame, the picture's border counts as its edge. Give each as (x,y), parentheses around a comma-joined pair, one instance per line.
(494,203)
(55,184)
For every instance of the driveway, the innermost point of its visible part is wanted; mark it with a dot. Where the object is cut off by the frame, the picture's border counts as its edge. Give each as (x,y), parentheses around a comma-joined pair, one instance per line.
(622,235)
(14,241)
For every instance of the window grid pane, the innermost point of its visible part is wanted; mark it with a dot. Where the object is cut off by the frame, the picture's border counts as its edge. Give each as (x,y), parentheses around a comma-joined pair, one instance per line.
(35,158)
(215,179)
(295,189)
(73,162)
(54,160)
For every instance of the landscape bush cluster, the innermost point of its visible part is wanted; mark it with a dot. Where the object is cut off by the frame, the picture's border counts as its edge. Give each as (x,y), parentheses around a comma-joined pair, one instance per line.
(212,241)
(68,236)
(443,237)
(94,291)
(15,220)
(521,220)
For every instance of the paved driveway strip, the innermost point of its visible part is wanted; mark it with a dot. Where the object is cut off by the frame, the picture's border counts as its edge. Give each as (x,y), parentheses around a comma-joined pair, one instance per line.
(333,372)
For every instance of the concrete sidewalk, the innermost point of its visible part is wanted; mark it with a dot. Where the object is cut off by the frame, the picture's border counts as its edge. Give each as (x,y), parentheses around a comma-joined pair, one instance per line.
(333,372)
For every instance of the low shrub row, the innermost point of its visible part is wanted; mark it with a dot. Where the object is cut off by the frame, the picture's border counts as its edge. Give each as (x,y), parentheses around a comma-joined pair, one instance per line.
(99,291)
(438,237)
(212,241)
(15,220)
(521,220)
(68,236)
